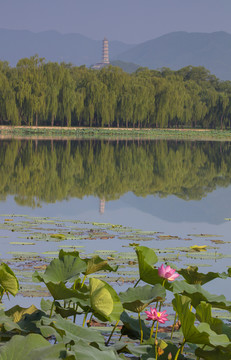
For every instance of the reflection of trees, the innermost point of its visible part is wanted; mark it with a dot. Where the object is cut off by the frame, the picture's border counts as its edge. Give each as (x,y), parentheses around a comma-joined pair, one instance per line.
(63,169)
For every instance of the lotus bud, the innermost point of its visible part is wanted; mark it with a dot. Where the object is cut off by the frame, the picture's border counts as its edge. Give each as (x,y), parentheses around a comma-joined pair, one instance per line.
(170,356)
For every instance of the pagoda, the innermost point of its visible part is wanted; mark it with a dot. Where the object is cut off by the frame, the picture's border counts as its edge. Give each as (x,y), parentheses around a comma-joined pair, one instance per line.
(105,56)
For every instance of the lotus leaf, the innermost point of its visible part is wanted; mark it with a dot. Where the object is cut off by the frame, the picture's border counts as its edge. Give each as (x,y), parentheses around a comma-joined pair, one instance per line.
(104,301)
(198,294)
(59,291)
(84,352)
(192,276)
(32,346)
(17,312)
(204,314)
(8,280)
(69,332)
(137,299)
(213,354)
(94,264)
(147,259)
(7,324)
(202,334)
(68,268)
(131,327)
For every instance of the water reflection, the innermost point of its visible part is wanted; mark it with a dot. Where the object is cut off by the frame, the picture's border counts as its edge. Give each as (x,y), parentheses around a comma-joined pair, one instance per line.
(38,172)
(175,187)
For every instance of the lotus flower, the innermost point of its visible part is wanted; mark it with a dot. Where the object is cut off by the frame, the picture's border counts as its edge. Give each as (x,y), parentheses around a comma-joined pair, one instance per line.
(153,314)
(167,273)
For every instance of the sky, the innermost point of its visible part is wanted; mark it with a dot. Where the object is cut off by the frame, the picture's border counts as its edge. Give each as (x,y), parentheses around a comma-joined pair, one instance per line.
(130,21)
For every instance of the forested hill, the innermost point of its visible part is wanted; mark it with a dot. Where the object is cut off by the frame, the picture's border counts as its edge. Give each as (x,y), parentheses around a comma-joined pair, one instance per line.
(39,93)
(179,49)
(173,50)
(74,48)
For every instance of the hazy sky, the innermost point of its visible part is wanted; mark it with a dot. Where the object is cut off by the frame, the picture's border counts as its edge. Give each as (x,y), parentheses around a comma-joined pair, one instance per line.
(131,21)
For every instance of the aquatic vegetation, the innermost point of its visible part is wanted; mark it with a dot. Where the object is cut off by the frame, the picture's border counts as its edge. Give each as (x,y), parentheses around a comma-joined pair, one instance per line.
(167,273)
(80,296)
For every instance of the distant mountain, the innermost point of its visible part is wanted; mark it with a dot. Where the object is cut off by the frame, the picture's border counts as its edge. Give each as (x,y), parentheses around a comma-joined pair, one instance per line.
(53,46)
(179,49)
(125,66)
(174,50)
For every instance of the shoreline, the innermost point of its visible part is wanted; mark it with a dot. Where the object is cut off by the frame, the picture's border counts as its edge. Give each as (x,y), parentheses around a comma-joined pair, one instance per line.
(85,133)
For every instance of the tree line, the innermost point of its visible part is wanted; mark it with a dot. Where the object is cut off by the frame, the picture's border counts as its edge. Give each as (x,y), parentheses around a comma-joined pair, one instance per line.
(50,171)
(41,93)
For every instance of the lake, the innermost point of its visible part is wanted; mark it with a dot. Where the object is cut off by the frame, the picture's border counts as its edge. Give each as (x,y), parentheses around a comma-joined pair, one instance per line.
(179,191)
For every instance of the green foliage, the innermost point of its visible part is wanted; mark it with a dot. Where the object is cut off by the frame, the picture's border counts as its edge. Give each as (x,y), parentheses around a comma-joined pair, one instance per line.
(68,268)
(62,170)
(8,281)
(192,276)
(137,299)
(39,93)
(105,302)
(209,337)
(146,260)
(31,347)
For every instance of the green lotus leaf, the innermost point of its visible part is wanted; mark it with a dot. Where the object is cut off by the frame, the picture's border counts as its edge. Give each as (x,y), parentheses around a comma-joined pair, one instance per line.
(65,312)
(192,276)
(204,314)
(33,346)
(104,301)
(63,253)
(17,312)
(197,294)
(215,354)
(8,280)
(146,260)
(7,324)
(84,352)
(94,264)
(170,348)
(133,349)
(202,334)
(137,299)
(29,322)
(68,268)
(59,291)
(46,305)
(131,327)
(68,331)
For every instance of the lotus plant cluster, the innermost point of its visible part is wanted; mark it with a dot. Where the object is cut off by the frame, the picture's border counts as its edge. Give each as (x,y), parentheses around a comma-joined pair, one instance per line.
(62,327)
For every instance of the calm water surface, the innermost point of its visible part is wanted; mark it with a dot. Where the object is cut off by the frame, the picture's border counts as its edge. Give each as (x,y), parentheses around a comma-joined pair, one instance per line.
(176,188)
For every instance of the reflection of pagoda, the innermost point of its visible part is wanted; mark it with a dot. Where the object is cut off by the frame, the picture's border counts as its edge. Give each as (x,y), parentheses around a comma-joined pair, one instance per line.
(101,206)
(105,56)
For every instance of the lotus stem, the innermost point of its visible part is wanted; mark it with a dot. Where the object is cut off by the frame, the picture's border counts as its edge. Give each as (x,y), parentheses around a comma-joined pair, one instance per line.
(107,343)
(157,324)
(85,276)
(173,326)
(2,295)
(85,318)
(156,350)
(137,283)
(141,330)
(89,322)
(180,350)
(152,329)
(52,307)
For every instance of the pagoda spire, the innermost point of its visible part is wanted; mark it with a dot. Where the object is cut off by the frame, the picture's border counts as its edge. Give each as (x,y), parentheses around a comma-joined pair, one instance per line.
(105,52)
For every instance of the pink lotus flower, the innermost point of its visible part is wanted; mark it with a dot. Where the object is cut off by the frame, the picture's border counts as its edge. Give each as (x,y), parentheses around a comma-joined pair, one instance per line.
(153,314)
(167,273)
